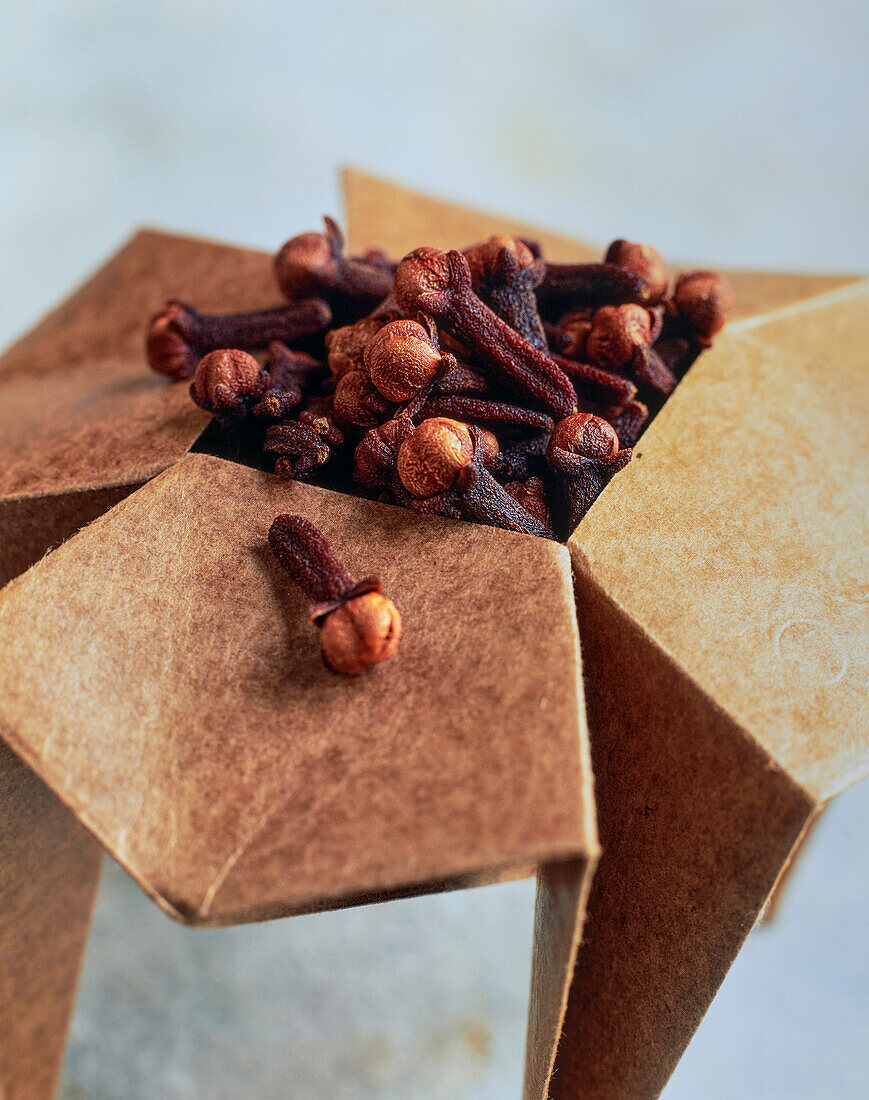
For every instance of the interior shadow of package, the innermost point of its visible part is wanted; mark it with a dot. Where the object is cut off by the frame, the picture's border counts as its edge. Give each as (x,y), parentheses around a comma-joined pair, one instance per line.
(159,678)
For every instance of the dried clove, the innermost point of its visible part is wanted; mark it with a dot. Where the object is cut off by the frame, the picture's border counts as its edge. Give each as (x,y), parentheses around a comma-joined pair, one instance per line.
(584,453)
(440,284)
(178,336)
(505,273)
(359,626)
(314,264)
(447,459)
(288,374)
(227,382)
(705,299)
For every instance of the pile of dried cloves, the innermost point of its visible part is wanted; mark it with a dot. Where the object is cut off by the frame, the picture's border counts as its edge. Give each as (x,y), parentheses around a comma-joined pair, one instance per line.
(488,385)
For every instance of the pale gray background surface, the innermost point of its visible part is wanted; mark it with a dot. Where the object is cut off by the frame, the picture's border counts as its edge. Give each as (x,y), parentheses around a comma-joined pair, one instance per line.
(731,131)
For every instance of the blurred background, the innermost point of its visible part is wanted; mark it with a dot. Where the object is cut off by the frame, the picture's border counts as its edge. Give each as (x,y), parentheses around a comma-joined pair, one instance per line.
(731,132)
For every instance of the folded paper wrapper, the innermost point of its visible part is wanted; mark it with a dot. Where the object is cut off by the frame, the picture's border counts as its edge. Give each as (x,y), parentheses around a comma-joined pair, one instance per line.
(158,675)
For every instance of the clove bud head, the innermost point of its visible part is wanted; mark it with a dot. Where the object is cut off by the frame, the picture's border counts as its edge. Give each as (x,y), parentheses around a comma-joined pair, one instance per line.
(168,344)
(345,346)
(422,277)
(377,451)
(361,633)
(305,265)
(586,435)
(401,359)
(615,332)
(357,403)
(706,300)
(573,331)
(642,260)
(499,256)
(431,460)
(225,379)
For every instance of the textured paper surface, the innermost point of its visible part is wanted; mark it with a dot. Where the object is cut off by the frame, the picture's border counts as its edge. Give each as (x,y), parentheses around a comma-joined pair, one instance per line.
(562,894)
(49,871)
(695,824)
(190,723)
(31,526)
(751,489)
(722,617)
(81,412)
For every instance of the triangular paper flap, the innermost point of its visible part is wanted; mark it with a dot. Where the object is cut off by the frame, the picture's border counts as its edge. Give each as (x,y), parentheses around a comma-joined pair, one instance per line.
(697,820)
(386,215)
(759,293)
(159,674)
(32,525)
(79,408)
(737,538)
(695,824)
(81,415)
(828,331)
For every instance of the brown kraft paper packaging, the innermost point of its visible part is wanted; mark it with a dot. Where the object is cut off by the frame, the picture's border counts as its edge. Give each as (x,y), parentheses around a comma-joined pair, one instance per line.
(720,619)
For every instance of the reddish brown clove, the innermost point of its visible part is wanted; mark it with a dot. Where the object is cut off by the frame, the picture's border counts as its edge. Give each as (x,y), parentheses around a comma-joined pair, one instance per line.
(402,358)
(706,300)
(628,421)
(490,412)
(505,274)
(346,345)
(288,374)
(357,401)
(445,458)
(642,260)
(593,285)
(178,336)
(314,264)
(584,452)
(377,454)
(299,449)
(359,626)
(439,283)
(227,382)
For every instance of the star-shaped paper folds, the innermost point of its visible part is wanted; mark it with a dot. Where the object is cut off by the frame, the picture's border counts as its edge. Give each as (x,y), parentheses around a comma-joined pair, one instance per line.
(158,676)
